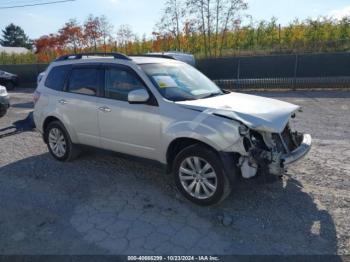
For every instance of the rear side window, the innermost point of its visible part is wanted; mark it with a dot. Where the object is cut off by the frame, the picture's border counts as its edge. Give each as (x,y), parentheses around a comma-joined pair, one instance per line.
(85,81)
(57,77)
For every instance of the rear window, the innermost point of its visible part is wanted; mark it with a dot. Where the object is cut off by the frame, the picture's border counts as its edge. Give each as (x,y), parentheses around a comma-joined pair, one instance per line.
(56,78)
(85,81)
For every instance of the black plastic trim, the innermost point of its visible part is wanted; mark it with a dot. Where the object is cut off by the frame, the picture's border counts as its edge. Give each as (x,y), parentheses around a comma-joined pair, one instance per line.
(80,56)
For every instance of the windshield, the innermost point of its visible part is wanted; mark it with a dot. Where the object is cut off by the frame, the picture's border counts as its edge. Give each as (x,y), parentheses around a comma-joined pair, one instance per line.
(180,82)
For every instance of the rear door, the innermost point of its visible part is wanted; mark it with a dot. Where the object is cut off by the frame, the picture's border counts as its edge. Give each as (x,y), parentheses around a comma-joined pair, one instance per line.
(78,104)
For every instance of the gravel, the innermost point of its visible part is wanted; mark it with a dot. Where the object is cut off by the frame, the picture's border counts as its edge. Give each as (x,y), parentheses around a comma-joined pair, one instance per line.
(105,204)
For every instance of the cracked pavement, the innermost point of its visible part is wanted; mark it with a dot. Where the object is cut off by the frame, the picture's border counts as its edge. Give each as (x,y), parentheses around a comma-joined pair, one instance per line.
(103,203)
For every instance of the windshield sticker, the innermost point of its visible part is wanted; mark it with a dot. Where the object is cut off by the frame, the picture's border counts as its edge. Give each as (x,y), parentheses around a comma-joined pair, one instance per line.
(165,81)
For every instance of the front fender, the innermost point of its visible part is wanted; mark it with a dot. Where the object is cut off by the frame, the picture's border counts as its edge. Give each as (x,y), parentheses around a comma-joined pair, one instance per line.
(219,133)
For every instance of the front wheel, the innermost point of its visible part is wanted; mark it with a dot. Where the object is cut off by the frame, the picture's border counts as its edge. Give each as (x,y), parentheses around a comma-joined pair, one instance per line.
(200,176)
(59,142)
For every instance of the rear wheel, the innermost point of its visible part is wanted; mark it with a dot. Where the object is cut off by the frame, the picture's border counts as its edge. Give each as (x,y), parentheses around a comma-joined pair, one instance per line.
(200,176)
(59,142)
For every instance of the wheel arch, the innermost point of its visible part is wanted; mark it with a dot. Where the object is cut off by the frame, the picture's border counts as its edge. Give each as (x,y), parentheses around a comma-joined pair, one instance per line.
(53,118)
(229,159)
(180,143)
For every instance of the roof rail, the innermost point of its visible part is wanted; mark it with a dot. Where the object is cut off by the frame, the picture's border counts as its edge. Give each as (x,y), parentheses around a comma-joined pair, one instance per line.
(80,56)
(159,56)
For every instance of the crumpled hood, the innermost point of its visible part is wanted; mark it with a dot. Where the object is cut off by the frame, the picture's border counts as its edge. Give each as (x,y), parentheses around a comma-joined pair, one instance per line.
(256,112)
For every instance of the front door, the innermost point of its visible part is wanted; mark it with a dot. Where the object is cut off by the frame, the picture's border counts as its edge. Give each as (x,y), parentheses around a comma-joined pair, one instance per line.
(127,128)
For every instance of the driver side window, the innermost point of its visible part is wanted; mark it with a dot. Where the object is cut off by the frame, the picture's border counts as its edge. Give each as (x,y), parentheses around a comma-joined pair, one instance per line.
(119,82)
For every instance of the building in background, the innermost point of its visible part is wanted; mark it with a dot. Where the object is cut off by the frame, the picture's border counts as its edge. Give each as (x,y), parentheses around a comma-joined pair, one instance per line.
(14,50)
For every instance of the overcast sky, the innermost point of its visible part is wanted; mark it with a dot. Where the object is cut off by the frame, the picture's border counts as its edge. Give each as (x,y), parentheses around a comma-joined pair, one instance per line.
(142,15)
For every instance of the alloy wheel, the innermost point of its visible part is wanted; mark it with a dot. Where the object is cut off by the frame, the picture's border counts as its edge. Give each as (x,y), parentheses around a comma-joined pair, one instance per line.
(198,177)
(57,142)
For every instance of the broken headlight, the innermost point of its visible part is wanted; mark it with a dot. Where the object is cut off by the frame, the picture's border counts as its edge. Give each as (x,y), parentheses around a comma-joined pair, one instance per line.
(258,140)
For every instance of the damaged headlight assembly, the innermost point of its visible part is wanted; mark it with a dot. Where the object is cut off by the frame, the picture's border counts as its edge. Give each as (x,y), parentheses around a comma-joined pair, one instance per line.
(259,155)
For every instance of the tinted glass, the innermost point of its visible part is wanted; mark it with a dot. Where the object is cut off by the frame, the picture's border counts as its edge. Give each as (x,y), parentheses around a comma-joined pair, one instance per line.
(120,82)
(56,78)
(84,81)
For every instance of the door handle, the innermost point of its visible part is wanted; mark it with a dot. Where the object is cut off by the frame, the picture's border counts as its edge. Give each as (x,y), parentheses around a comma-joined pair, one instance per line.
(62,102)
(105,109)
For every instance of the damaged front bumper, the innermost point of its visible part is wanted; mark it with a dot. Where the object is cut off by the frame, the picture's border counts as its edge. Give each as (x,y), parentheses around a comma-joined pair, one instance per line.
(271,153)
(298,153)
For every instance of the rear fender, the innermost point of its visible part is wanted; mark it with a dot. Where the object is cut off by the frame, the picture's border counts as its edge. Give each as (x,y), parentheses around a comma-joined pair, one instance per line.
(71,132)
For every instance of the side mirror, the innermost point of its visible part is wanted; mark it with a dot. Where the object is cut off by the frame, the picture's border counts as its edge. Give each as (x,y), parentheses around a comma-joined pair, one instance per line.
(139,96)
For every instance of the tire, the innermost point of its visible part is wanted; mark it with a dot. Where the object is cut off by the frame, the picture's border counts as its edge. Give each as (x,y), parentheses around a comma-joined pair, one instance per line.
(10,85)
(219,187)
(70,151)
(3,111)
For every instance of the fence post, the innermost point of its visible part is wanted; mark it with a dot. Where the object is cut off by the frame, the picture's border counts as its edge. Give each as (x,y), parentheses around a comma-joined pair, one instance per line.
(295,71)
(238,73)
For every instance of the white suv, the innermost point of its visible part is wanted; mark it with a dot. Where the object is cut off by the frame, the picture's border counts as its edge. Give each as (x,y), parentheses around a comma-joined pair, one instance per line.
(165,110)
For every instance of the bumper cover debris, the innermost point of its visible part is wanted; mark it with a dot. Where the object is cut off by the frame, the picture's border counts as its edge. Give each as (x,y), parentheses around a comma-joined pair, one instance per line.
(273,161)
(300,152)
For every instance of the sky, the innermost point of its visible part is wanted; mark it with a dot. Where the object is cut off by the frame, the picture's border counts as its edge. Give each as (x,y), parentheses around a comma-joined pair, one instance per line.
(143,14)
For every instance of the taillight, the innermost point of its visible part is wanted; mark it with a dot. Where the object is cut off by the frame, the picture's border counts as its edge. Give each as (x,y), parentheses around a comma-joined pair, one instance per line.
(36,97)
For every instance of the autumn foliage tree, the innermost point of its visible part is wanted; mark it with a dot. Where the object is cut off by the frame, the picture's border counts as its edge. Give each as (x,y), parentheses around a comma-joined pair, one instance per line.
(71,35)
(92,31)
(206,28)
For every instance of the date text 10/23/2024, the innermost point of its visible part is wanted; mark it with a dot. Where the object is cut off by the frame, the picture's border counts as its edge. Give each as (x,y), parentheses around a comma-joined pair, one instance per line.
(173,258)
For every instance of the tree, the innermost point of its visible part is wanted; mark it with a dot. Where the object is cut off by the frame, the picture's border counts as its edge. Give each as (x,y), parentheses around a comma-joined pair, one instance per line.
(106,29)
(171,20)
(231,9)
(14,36)
(215,17)
(92,31)
(47,43)
(125,36)
(71,35)
(204,28)
(47,48)
(145,44)
(197,9)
